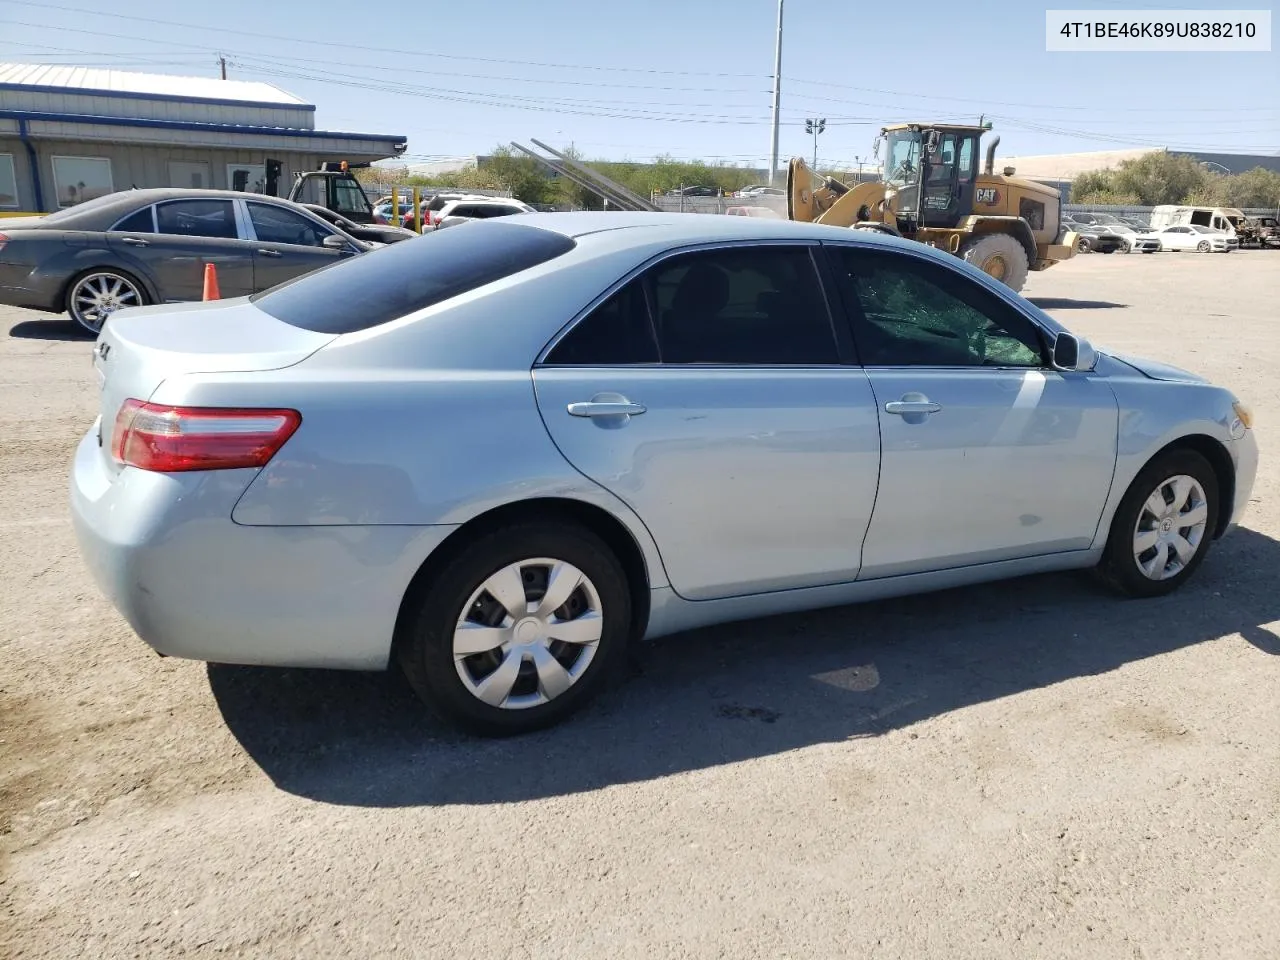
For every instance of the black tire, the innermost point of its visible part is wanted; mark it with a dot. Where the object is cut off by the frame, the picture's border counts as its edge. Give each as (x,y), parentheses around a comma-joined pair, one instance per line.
(1119,567)
(138,295)
(424,646)
(1204,246)
(999,255)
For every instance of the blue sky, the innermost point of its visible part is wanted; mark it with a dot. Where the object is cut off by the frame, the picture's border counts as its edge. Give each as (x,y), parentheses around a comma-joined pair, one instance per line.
(691,79)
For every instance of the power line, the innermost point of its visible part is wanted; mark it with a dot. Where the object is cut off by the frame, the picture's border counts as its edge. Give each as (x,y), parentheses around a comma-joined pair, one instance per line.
(383,50)
(203,28)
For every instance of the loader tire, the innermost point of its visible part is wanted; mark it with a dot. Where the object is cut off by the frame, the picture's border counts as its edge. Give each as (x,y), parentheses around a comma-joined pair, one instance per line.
(1000,256)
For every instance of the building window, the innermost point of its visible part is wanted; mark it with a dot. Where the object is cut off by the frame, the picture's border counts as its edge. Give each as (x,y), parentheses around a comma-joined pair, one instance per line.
(78,179)
(247,177)
(189,174)
(8,182)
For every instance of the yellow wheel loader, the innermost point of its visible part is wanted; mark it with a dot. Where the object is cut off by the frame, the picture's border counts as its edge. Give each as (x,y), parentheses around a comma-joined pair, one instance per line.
(932,191)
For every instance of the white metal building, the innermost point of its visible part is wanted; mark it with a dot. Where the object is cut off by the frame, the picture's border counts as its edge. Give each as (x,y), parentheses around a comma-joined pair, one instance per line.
(69,134)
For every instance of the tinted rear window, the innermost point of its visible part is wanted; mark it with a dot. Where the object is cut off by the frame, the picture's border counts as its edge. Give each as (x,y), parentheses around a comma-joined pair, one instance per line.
(384,285)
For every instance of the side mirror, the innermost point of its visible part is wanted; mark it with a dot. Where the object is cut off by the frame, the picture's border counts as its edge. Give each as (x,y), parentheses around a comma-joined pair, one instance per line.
(335,242)
(1073,353)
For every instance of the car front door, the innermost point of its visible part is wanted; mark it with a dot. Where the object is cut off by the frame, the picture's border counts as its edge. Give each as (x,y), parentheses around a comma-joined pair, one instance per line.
(287,244)
(186,235)
(987,452)
(1177,238)
(712,394)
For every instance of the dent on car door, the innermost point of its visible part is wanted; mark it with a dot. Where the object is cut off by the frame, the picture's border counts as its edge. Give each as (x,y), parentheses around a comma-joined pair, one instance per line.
(287,244)
(987,452)
(710,395)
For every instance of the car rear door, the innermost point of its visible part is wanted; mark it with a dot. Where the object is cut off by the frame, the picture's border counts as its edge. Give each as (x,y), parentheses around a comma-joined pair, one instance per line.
(1177,238)
(286,243)
(713,394)
(987,452)
(186,235)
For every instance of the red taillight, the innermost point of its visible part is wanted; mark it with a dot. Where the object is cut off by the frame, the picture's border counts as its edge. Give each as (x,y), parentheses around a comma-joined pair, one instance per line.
(154,436)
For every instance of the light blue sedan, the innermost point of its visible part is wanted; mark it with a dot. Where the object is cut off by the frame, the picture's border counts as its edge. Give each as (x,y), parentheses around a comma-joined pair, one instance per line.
(497,454)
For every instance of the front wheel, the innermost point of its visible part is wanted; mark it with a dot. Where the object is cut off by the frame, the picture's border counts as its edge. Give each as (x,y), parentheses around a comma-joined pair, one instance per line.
(1000,256)
(1203,246)
(521,628)
(1163,527)
(93,296)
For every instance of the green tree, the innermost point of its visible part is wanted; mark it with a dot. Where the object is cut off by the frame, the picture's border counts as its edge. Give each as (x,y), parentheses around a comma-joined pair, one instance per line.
(1091,184)
(1105,198)
(1160,177)
(1258,187)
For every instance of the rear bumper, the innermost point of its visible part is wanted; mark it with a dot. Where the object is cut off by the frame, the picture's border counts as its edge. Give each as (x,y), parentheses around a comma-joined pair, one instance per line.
(194,584)
(22,286)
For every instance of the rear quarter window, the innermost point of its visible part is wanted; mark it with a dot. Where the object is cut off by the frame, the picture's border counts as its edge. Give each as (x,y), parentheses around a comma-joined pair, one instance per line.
(384,285)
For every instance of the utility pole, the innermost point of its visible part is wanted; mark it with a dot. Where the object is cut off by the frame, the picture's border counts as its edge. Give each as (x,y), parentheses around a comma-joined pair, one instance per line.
(777,98)
(815,126)
(222,62)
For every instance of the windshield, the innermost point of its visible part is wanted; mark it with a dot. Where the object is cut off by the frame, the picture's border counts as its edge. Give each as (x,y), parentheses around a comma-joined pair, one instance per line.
(901,157)
(385,284)
(349,198)
(1199,229)
(1104,218)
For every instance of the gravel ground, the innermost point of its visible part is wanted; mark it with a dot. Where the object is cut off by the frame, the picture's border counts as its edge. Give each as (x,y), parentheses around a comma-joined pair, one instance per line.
(1030,769)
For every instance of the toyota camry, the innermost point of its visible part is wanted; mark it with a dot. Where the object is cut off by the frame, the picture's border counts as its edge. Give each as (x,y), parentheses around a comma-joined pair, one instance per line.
(495,455)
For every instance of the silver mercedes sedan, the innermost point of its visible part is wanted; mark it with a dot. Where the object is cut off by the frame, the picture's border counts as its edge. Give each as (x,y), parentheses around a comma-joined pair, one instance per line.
(497,454)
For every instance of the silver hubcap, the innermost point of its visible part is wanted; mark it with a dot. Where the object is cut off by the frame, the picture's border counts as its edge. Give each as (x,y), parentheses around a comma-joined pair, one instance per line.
(1170,528)
(528,633)
(99,295)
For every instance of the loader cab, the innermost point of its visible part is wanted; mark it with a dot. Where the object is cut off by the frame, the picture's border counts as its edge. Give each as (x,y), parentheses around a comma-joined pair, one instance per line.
(933,171)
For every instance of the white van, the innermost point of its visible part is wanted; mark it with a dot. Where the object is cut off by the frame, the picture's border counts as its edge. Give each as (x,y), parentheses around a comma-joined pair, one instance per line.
(1220,218)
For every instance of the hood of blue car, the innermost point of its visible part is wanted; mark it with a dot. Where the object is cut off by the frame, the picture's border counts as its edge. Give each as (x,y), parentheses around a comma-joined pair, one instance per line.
(1157,370)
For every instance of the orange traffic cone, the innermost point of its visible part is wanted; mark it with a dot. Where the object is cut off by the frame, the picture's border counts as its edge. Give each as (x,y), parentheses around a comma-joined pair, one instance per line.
(211,282)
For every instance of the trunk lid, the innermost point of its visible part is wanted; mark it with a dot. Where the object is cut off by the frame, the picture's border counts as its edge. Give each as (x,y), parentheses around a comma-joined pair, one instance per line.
(141,347)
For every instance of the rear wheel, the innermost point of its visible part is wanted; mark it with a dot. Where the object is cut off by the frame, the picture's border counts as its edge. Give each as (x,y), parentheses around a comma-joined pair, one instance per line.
(95,295)
(1163,526)
(1000,256)
(522,628)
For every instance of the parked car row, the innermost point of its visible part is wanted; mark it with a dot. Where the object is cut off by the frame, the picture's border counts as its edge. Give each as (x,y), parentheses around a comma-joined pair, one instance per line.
(1104,233)
(449,208)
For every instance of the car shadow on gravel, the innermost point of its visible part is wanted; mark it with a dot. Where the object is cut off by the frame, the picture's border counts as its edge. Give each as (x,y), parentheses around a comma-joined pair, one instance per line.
(740,691)
(1065,303)
(52,329)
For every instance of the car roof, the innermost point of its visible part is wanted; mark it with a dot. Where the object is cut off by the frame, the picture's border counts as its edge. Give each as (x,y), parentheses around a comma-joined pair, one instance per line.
(108,209)
(691,227)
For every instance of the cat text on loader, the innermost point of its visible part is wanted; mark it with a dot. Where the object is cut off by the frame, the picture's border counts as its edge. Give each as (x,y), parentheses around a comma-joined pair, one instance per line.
(932,191)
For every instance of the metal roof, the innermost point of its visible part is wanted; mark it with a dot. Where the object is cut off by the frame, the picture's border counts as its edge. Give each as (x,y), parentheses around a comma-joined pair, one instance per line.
(123,82)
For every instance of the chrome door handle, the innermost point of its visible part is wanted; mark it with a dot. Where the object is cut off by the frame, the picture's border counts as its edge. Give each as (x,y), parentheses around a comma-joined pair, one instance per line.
(903,407)
(135,241)
(605,408)
(270,253)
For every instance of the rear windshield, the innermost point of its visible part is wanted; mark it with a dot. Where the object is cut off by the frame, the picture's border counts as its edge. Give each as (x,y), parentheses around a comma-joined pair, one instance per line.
(385,284)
